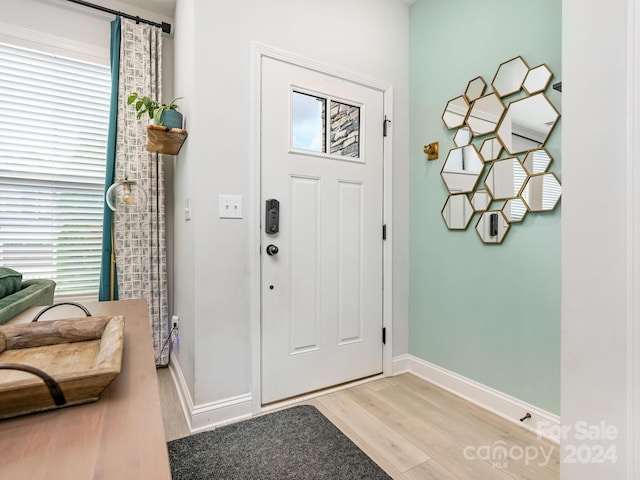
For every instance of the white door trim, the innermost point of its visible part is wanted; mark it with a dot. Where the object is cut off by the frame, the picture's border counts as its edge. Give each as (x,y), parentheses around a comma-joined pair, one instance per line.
(633,236)
(258,52)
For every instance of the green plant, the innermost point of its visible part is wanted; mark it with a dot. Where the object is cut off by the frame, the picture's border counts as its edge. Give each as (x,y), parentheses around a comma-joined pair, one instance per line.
(151,107)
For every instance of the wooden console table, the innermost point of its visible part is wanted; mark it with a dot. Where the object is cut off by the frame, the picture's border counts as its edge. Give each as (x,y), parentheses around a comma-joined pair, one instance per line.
(120,436)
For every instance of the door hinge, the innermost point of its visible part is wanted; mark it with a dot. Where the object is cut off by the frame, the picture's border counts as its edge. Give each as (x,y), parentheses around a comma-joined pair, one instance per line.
(384,335)
(384,231)
(385,124)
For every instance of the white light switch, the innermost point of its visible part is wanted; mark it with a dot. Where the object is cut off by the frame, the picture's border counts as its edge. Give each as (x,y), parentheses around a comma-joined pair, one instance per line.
(187,209)
(230,206)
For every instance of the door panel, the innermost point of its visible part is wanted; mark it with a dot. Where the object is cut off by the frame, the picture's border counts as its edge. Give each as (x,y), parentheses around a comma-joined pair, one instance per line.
(349,262)
(322,291)
(304,262)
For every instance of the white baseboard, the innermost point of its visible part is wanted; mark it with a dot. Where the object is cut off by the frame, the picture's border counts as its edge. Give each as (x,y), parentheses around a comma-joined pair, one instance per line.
(542,423)
(181,387)
(229,410)
(209,415)
(222,412)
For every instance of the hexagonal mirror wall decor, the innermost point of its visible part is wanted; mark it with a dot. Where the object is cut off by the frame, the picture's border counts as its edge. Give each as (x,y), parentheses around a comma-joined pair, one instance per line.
(455,112)
(485,114)
(514,210)
(537,161)
(527,123)
(537,79)
(510,76)
(505,178)
(457,212)
(480,199)
(462,137)
(542,192)
(462,169)
(492,227)
(491,149)
(513,187)
(475,89)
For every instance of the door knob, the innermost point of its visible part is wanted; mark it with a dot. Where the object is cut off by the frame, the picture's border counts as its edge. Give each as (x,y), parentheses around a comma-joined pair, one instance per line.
(272,250)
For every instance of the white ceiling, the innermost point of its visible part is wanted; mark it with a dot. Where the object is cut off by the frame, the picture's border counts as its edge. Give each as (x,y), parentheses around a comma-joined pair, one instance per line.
(163,7)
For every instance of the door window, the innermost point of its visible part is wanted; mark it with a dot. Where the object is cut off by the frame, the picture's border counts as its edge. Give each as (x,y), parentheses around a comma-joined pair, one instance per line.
(345,129)
(309,124)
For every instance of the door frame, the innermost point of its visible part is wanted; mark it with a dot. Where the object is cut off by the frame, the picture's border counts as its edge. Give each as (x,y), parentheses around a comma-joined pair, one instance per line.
(633,235)
(258,52)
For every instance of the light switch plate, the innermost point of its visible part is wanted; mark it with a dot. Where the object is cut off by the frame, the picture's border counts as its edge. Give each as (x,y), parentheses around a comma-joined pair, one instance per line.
(230,206)
(187,209)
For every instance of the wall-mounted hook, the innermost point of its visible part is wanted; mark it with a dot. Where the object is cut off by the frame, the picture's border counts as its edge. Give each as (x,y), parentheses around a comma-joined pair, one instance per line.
(432,151)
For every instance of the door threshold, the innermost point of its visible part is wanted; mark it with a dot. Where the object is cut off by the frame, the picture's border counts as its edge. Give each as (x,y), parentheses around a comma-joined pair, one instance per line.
(279,404)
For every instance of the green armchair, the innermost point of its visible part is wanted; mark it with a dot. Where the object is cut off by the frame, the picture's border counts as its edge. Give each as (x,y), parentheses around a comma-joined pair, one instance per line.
(29,294)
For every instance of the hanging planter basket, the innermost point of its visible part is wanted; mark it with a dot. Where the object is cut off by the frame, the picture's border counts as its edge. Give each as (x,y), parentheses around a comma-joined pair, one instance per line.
(171,119)
(161,139)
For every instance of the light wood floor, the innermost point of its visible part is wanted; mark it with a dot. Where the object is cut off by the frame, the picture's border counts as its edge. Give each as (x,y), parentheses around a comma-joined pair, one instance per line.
(415,430)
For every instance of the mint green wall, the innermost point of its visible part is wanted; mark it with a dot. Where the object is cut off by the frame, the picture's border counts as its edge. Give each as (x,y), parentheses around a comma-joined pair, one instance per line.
(488,312)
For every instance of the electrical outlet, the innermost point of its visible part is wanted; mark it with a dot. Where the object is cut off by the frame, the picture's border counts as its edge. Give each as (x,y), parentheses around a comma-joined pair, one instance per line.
(175,330)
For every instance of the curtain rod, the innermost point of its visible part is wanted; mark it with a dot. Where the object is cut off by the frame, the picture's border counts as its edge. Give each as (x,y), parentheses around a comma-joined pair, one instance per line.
(166,27)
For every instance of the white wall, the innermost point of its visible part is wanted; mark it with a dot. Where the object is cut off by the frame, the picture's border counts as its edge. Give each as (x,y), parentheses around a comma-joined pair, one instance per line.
(184,231)
(599,232)
(213,256)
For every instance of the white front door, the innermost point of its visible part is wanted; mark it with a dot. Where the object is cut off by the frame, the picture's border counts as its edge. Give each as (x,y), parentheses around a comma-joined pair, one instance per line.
(322,160)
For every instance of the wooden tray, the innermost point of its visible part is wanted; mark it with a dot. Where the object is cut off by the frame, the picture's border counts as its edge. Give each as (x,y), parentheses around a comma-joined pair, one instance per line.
(79,356)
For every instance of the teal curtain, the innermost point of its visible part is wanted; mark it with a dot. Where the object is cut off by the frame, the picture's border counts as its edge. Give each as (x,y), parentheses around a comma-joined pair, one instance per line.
(104,292)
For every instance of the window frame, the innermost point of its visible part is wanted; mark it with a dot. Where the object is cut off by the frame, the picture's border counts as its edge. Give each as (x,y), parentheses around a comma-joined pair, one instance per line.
(75,52)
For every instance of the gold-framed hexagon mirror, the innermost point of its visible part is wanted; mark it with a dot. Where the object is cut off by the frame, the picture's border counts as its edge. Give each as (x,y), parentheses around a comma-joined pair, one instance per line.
(475,89)
(527,123)
(485,114)
(457,211)
(510,76)
(480,200)
(537,80)
(462,137)
(491,149)
(492,227)
(455,112)
(462,169)
(486,126)
(542,192)
(514,210)
(537,161)
(505,178)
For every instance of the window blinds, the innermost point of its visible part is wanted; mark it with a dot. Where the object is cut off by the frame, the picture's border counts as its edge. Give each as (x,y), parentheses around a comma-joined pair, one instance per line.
(53,135)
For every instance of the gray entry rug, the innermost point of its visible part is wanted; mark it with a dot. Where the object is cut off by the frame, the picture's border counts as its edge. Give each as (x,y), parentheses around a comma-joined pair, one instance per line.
(297,443)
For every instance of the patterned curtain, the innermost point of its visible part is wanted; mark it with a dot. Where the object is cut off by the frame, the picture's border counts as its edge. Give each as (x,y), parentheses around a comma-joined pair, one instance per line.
(139,233)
